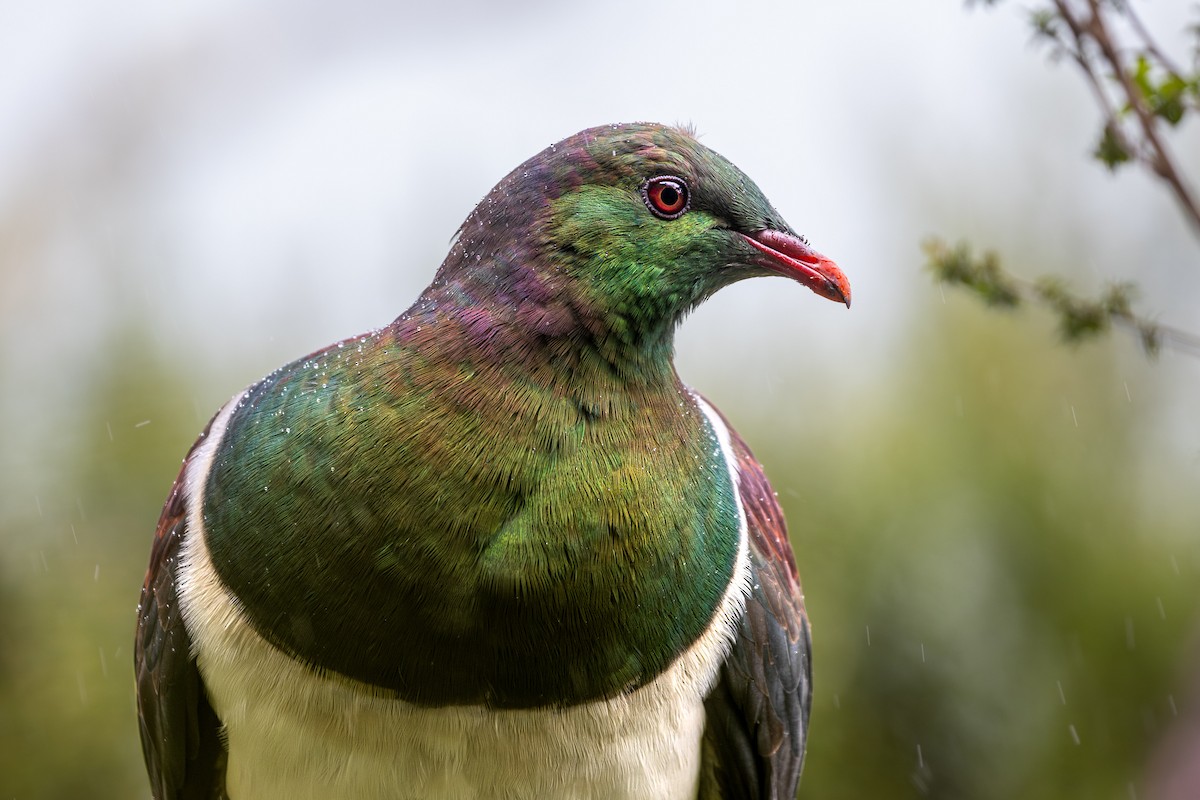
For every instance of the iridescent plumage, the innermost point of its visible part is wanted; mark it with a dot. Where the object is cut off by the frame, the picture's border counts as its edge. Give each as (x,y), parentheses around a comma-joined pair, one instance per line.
(506,500)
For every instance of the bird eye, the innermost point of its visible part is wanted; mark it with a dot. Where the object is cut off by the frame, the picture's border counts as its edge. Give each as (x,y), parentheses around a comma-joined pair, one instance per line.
(666,196)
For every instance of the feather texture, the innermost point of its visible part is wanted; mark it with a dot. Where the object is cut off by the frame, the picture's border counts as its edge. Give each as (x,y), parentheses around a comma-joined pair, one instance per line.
(497,549)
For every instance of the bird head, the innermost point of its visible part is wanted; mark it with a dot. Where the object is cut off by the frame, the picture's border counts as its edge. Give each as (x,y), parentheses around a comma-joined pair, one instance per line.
(622,229)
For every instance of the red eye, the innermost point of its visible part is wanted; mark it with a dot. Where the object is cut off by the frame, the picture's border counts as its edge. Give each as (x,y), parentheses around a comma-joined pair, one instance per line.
(666,196)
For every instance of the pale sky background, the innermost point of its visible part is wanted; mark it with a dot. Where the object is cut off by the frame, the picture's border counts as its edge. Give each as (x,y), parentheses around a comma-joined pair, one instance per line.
(252,181)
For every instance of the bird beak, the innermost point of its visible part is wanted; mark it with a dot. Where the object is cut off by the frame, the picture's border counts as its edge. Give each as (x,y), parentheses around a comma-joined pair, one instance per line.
(791,257)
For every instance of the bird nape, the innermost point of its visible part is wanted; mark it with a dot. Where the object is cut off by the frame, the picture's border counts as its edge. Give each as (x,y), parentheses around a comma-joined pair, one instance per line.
(497,549)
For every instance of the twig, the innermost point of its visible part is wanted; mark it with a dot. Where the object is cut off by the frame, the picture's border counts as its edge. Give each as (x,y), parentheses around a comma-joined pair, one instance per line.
(1078,318)
(1095,29)
(1148,42)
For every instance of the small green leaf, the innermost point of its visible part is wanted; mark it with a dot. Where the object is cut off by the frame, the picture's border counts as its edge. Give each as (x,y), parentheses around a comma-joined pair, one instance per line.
(1078,319)
(1171,110)
(1109,150)
(983,275)
(1044,22)
(1168,100)
(1151,338)
(1141,76)
(1117,300)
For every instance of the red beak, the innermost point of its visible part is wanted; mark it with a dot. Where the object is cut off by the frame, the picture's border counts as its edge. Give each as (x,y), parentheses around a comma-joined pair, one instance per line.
(791,257)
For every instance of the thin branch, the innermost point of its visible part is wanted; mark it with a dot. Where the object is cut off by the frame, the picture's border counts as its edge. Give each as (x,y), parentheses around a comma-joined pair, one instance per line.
(1079,29)
(1158,159)
(1112,123)
(1162,162)
(1148,42)
(1079,318)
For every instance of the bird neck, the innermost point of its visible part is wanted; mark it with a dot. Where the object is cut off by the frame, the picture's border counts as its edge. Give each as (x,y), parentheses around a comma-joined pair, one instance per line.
(521,310)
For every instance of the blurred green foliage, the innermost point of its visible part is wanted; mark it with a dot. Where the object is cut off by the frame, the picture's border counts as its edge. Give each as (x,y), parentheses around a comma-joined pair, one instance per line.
(1028,601)
(1001,571)
(71,566)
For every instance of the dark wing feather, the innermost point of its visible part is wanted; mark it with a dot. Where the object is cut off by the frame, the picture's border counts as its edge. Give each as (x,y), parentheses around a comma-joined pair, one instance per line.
(757,714)
(181,739)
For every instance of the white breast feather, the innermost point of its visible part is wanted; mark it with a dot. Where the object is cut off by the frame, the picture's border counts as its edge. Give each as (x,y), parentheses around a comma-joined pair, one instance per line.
(296,734)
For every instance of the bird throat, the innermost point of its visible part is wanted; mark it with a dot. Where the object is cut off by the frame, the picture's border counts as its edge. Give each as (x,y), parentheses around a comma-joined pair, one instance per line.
(457,529)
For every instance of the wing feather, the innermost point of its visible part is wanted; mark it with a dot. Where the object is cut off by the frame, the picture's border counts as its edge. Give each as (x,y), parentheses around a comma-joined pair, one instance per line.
(181,740)
(757,714)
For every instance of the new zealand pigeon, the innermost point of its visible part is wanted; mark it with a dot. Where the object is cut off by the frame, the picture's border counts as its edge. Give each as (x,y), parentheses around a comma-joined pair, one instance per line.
(497,549)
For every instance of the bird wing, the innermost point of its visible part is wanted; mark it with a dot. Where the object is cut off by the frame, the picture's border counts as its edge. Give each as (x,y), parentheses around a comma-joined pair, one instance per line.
(181,739)
(757,714)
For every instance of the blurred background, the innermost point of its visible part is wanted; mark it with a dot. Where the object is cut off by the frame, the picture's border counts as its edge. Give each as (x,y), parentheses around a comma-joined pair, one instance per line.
(999,535)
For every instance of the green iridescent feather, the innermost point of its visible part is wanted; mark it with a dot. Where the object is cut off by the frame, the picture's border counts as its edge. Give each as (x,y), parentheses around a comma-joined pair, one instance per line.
(511,474)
